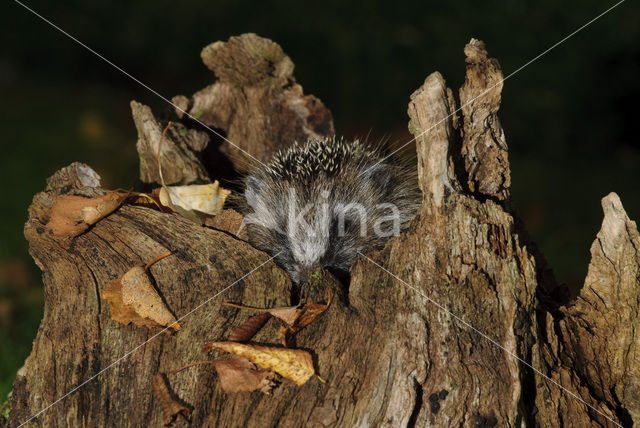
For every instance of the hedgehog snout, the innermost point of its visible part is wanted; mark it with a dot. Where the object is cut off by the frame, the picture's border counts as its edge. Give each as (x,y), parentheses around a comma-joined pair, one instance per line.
(300,273)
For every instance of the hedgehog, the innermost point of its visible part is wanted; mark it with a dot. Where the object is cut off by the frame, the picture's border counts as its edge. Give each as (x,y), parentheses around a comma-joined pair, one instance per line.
(321,203)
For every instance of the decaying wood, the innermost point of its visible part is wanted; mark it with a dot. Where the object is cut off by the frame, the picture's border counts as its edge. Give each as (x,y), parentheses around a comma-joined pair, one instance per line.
(178,153)
(254,109)
(484,148)
(592,346)
(77,338)
(256,100)
(445,326)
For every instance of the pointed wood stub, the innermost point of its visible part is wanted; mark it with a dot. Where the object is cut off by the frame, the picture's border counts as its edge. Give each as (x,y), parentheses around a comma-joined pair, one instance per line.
(178,150)
(433,124)
(594,348)
(484,147)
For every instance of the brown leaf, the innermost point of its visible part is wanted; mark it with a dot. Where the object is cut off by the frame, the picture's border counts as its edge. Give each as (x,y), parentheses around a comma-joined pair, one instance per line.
(172,410)
(132,298)
(112,293)
(307,314)
(286,314)
(150,200)
(71,215)
(296,317)
(240,375)
(244,332)
(103,206)
(293,364)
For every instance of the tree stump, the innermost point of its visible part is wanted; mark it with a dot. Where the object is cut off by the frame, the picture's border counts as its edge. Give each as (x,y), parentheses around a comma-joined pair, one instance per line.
(454,323)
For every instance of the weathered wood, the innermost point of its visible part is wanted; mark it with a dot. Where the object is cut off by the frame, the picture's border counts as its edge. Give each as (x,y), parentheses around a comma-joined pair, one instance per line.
(179,154)
(77,338)
(462,256)
(439,328)
(591,346)
(484,148)
(256,101)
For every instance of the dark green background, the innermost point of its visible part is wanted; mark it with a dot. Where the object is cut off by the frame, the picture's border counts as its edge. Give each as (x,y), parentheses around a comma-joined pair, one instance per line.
(570,117)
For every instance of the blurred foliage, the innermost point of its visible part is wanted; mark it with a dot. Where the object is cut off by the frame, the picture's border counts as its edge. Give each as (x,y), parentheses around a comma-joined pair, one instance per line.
(569,117)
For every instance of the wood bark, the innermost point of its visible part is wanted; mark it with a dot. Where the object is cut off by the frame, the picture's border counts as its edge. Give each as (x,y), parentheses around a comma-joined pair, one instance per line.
(453,323)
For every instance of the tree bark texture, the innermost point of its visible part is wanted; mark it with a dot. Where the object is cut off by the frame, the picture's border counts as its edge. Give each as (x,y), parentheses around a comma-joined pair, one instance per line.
(453,323)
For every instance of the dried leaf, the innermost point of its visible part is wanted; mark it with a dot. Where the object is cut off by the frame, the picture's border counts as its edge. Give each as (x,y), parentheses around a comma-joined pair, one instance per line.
(307,314)
(112,293)
(293,364)
(71,215)
(195,202)
(286,313)
(132,298)
(102,206)
(240,375)
(172,410)
(296,317)
(244,332)
(283,335)
(139,293)
(150,200)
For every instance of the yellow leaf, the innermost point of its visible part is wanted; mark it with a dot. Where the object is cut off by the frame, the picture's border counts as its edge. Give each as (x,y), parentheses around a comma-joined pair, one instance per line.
(293,364)
(195,202)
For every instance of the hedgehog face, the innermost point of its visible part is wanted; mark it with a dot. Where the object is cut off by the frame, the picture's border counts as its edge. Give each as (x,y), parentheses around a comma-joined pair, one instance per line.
(303,235)
(289,227)
(308,247)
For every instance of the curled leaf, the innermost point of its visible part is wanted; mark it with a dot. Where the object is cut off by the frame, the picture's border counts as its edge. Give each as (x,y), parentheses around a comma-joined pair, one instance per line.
(149,200)
(195,202)
(286,313)
(296,317)
(132,298)
(71,215)
(308,313)
(304,316)
(293,364)
(172,410)
(248,329)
